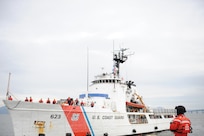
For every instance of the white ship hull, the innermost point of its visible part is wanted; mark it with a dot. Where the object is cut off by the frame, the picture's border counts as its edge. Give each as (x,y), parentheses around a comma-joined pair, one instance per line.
(37,119)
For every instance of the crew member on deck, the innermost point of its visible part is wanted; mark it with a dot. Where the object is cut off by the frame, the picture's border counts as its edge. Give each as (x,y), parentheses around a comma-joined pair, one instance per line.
(72,101)
(26,99)
(92,104)
(82,103)
(41,101)
(31,100)
(54,101)
(69,101)
(76,101)
(10,98)
(48,100)
(181,125)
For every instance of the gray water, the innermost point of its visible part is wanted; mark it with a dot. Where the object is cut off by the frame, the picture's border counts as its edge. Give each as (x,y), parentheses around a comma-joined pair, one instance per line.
(197,121)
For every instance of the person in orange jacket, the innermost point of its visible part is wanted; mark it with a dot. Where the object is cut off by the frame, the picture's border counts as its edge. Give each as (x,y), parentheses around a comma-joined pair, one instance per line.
(31,100)
(181,125)
(48,100)
(41,101)
(54,101)
(10,98)
(26,99)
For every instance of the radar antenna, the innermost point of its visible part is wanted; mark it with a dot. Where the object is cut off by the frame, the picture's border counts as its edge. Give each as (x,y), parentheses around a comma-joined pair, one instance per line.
(118,58)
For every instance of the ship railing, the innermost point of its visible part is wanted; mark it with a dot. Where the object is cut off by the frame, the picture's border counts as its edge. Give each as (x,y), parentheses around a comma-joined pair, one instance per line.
(164,111)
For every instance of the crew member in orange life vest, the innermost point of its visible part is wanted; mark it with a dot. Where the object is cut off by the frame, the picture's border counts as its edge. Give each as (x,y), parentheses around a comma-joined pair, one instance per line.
(31,100)
(181,125)
(48,100)
(41,101)
(10,98)
(26,100)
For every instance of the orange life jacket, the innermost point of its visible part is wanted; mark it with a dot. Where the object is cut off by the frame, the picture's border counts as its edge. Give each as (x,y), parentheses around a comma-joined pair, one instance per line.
(181,124)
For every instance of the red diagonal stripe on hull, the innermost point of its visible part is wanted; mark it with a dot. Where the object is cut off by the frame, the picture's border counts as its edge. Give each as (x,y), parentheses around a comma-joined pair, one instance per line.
(76,120)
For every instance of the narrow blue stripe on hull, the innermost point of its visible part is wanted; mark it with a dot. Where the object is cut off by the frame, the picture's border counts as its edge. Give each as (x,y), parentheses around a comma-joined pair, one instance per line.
(87,119)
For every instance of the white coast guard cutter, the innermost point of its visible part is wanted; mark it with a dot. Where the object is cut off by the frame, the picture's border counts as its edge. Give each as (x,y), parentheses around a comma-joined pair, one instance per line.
(111,107)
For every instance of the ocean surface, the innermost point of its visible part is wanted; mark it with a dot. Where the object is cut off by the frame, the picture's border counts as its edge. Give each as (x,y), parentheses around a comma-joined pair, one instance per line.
(197,121)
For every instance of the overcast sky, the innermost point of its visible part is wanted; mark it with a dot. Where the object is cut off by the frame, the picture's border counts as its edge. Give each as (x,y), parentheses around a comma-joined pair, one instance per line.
(43,43)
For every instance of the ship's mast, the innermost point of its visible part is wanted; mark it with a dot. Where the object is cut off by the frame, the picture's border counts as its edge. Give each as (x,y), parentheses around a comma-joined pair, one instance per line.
(8,87)
(119,58)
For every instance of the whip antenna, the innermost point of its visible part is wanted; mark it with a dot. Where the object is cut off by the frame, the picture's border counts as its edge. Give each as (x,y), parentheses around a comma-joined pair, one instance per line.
(87,84)
(8,87)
